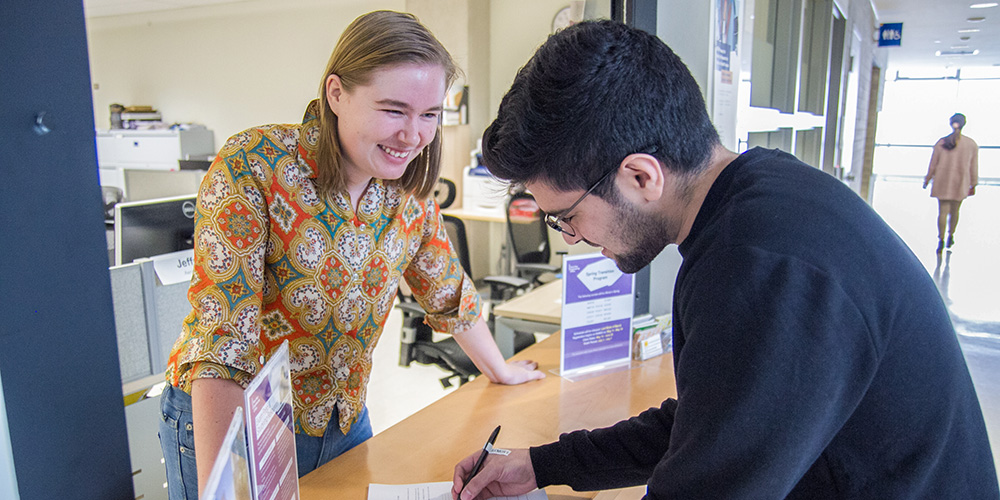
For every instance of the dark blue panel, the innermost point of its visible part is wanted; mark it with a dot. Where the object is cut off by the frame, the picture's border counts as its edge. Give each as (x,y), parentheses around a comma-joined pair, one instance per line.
(58,353)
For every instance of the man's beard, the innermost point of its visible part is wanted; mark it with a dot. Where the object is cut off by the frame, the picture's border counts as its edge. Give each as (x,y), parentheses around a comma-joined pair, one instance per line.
(644,236)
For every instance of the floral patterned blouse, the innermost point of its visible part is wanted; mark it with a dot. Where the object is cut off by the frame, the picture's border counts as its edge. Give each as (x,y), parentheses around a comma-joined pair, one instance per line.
(275,260)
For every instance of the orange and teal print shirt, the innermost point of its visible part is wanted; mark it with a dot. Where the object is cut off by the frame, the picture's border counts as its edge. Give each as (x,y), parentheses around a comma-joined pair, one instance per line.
(276,260)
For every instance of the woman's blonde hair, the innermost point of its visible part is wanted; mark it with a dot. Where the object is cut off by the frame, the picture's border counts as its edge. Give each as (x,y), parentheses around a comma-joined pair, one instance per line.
(371,42)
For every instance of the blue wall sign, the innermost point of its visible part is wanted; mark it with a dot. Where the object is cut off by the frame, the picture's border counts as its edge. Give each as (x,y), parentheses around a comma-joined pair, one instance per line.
(890,34)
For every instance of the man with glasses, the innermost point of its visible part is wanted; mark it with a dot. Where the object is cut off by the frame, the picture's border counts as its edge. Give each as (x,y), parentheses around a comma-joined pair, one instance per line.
(813,355)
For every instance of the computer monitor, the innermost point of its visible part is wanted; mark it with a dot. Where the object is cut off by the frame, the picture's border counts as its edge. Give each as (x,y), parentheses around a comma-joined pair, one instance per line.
(153,227)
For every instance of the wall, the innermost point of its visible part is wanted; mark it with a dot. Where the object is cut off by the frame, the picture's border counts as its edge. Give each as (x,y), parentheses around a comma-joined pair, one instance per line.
(517,29)
(687,29)
(863,22)
(227,66)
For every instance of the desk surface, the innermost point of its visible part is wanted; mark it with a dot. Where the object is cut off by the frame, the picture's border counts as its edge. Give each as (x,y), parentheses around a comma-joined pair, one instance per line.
(426,446)
(543,304)
(462,213)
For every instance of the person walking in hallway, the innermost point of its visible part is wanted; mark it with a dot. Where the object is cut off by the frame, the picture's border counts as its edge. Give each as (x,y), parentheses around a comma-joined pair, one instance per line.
(954,169)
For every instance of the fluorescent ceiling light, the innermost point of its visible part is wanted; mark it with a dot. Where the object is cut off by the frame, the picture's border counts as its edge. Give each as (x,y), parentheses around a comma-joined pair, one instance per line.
(957,52)
(983,5)
(969,30)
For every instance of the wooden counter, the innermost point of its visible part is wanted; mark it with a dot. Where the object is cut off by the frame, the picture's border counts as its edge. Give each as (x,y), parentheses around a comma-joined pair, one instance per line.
(426,446)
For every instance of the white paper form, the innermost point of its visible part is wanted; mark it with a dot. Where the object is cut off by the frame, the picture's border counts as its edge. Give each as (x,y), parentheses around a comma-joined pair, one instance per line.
(431,491)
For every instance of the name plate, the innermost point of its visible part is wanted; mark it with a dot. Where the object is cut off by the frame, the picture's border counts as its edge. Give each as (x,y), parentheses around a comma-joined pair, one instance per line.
(175,267)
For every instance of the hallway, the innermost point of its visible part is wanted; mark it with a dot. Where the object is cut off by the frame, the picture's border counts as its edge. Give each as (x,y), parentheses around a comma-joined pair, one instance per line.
(968,275)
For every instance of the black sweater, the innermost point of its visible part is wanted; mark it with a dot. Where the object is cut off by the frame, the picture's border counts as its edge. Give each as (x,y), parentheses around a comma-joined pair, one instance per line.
(813,355)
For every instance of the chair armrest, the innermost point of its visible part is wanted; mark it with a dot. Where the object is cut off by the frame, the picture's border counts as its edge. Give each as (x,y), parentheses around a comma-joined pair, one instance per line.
(538,268)
(507,281)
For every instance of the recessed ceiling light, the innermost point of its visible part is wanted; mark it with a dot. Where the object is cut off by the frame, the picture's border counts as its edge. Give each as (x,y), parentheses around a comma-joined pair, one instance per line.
(956,52)
(983,5)
(969,30)
(976,19)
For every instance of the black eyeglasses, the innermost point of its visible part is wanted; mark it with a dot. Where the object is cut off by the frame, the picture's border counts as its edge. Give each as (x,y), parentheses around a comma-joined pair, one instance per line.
(559,223)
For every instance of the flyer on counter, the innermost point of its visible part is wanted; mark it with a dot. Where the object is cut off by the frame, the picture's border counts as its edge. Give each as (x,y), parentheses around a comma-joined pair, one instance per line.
(596,315)
(270,430)
(230,476)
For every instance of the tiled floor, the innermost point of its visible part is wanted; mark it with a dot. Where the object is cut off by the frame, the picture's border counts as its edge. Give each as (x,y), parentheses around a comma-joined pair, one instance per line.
(968,277)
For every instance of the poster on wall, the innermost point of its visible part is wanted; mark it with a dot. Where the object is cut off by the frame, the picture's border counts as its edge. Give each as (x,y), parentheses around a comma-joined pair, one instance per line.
(270,430)
(726,70)
(596,315)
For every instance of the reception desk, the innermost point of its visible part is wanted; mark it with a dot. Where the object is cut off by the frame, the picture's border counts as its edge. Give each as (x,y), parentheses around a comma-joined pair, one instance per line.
(426,446)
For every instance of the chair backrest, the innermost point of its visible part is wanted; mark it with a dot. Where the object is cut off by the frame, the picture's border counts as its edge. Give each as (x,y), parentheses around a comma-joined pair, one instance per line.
(456,233)
(529,236)
(445,192)
(112,196)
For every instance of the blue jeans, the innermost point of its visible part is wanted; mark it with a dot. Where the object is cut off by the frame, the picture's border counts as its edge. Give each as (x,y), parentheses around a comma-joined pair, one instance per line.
(177,441)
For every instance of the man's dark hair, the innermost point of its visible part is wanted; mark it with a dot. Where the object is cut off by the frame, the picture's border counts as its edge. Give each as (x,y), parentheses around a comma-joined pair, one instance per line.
(593,94)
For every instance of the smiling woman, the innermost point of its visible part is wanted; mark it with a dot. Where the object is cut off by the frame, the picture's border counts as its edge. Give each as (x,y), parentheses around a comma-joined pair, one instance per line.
(329,216)
(387,123)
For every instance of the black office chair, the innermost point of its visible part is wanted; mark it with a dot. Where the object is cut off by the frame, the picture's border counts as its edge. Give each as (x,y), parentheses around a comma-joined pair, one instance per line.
(529,239)
(417,341)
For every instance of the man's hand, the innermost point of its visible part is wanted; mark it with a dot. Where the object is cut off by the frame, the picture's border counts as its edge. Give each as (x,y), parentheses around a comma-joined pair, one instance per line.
(500,476)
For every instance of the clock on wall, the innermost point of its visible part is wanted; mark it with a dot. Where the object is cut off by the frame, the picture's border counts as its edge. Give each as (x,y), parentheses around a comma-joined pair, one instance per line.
(562,19)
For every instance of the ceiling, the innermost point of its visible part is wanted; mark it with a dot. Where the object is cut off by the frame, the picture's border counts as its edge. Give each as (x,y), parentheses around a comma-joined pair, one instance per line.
(929,26)
(104,8)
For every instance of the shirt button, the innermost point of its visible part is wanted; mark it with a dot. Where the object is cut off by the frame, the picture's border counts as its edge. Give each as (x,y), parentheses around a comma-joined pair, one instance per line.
(189,427)
(262,360)
(183,449)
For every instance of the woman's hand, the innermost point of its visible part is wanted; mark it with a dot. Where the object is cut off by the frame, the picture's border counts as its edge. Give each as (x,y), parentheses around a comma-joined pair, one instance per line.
(519,372)
(478,344)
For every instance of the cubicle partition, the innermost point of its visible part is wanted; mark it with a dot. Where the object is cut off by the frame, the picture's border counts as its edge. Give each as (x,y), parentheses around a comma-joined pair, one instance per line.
(148,318)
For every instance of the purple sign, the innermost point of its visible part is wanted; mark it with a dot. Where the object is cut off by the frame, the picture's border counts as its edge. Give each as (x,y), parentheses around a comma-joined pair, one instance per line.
(576,291)
(595,344)
(596,314)
(270,435)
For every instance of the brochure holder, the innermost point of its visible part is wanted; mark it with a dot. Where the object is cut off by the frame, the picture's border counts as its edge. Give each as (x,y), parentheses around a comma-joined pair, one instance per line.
(596,316)
(257,458)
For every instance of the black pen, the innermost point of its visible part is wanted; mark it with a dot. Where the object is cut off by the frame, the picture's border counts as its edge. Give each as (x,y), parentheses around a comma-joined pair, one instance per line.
(482,458)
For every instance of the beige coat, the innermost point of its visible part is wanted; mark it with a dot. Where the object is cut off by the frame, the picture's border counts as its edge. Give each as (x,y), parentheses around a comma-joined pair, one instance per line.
(954,172)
